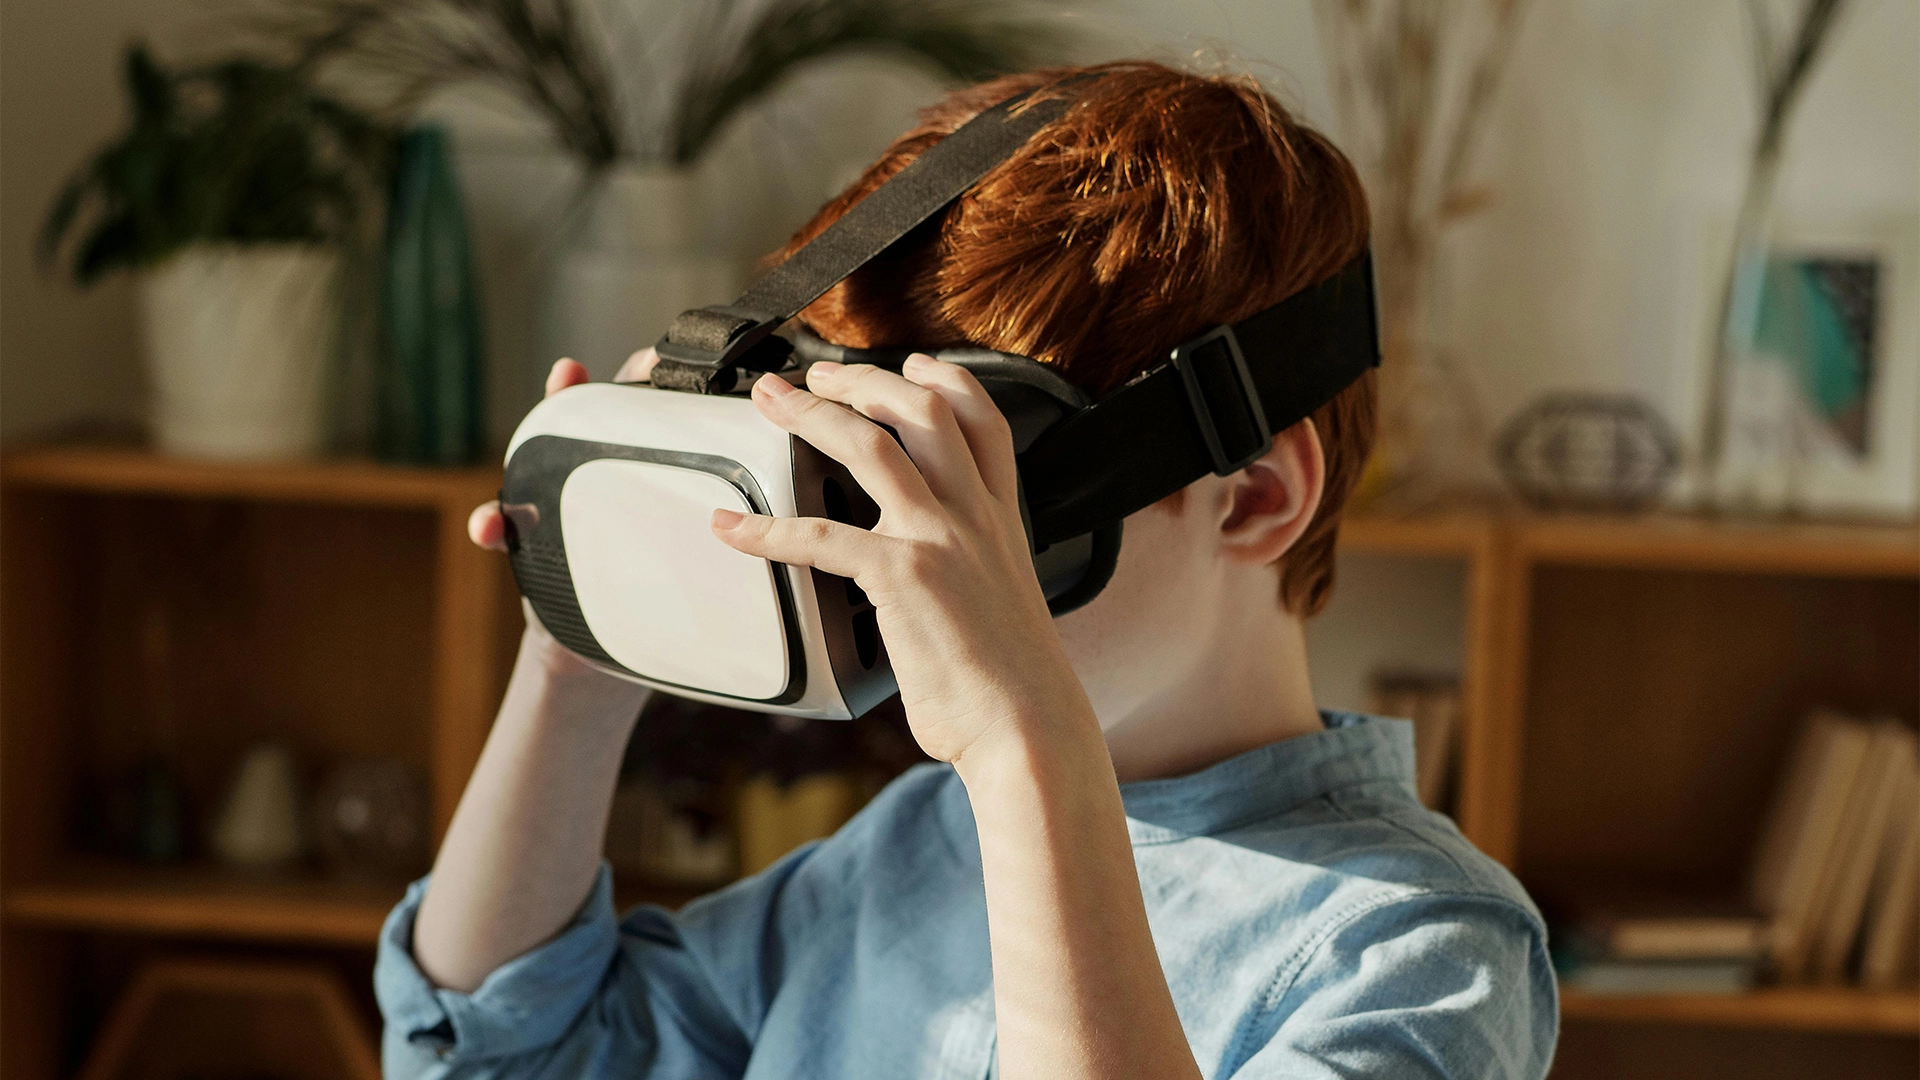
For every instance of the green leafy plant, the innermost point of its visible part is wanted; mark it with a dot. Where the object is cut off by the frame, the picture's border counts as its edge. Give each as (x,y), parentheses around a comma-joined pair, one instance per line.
(239,151)
(703,63)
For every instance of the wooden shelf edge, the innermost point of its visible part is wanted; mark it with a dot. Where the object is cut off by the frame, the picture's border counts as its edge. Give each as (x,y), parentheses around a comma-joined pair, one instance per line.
(1824,1009)
(329,916)
(346,482)
(1671,542)
(1455,535)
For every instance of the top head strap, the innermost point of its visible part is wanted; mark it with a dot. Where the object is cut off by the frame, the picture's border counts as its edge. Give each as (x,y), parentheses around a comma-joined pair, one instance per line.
(703,347)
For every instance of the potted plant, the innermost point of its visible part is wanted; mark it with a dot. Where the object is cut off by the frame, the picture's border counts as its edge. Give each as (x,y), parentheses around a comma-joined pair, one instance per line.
(631,253)
(231,194)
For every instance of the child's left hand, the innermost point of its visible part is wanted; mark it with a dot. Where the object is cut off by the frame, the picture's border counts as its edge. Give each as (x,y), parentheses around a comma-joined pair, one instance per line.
(946,566)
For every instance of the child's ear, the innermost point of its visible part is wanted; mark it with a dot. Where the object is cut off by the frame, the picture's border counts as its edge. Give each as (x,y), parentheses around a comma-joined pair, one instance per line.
(1272,501)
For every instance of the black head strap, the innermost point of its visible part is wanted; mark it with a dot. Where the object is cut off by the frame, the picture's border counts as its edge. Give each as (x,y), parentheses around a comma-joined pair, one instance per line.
(1214,406)
(704,347)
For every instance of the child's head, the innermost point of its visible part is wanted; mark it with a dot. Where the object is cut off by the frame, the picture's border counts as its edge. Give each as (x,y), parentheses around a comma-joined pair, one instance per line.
(1160,204)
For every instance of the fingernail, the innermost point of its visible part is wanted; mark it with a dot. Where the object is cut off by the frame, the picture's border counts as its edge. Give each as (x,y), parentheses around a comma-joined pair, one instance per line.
(774,385)
(824,367)
(915,360)
(727,519)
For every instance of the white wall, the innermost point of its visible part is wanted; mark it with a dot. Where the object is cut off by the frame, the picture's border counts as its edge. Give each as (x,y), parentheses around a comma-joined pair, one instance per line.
(65,356)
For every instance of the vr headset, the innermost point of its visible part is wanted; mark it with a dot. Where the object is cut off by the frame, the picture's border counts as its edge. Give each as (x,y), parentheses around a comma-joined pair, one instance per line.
(609,487)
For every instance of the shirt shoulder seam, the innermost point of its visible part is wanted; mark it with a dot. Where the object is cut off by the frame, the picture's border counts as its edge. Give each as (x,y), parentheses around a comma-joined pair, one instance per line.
(1174,836)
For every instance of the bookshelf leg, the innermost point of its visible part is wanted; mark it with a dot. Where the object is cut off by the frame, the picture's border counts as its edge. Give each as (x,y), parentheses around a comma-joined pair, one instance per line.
(1494,695)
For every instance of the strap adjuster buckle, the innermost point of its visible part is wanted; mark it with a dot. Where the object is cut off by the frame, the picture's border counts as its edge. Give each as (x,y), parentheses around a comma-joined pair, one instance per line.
(704,349)
(1220,388)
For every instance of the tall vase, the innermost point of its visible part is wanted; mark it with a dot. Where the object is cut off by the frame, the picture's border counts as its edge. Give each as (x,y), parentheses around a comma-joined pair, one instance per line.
(1750,452)
(239,342)
(632,254)
(431,387)
(1432,440)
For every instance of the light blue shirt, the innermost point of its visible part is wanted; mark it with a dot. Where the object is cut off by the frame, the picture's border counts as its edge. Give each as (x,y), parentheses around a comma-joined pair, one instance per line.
(1314,921)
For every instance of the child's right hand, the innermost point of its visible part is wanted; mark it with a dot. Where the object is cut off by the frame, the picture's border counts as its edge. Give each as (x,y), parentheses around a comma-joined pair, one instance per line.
(487,526)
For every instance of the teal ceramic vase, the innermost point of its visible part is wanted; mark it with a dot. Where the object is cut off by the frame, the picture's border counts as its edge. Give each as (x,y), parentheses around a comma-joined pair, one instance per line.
(431,387)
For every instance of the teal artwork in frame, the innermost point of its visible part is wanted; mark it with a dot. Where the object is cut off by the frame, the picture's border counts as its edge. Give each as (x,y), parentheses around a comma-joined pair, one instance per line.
(1821,404)
(1817,314)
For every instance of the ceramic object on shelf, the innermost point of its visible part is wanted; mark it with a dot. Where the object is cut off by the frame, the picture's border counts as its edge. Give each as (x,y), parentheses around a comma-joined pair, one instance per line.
(671,831)
(775,818)
(371,819)
(239,341)
(259,823)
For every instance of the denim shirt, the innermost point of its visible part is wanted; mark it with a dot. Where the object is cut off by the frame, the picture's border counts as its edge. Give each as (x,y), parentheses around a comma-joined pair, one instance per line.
(1312,918)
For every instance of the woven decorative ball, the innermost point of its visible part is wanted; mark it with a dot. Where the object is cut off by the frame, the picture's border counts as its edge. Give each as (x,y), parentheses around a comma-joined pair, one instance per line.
(1583,451)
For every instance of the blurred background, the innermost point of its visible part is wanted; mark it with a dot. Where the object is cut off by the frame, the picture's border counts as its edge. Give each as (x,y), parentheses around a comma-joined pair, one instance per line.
(1637,553)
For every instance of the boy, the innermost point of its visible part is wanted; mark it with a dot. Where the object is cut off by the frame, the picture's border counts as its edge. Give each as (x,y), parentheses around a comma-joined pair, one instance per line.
(1145,851)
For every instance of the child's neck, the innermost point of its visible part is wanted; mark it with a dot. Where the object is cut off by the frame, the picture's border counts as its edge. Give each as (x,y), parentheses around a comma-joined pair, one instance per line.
(1251,690)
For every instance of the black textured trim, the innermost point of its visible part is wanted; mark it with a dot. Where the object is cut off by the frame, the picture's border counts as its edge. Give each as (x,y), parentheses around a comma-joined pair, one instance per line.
(537,547)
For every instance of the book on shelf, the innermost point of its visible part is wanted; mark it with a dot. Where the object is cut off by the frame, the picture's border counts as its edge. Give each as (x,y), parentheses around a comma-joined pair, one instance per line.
(1890,947)
(1661,977)
(1884,785)
(1639,944)
(1671,930)
(1826,854)
(1432,703)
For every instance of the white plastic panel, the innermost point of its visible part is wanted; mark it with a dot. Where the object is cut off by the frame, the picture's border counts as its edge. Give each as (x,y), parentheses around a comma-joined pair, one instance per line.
(660,592)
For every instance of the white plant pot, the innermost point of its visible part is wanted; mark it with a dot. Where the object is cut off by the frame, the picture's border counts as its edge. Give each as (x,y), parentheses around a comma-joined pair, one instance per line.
(634,255)
(239,340)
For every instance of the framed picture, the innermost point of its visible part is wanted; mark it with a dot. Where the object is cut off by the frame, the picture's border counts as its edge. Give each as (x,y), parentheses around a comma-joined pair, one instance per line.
(1831,379)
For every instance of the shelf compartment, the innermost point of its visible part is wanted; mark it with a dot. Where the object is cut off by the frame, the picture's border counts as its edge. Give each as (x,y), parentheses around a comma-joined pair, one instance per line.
(1661,706)
(340,482)
(1840,1010)
(202,902)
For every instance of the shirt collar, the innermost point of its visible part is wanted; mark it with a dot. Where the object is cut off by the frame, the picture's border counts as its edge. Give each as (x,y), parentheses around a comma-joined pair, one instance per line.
(1271,779)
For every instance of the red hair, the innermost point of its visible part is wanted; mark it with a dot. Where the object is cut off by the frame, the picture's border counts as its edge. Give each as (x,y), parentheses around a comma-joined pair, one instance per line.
(1159,204)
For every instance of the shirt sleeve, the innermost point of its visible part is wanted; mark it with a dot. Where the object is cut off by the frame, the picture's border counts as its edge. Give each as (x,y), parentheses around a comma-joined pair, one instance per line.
(655,995)
(1442,986)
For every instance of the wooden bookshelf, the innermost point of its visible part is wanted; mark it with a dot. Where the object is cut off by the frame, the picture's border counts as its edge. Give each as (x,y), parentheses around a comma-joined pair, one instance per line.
(1844,1010)
(1629,686)
(334,606)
